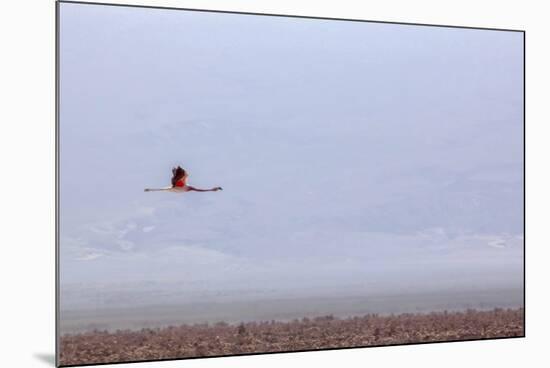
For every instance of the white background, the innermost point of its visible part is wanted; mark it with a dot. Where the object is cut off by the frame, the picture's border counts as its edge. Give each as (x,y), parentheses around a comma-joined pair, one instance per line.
(27,182)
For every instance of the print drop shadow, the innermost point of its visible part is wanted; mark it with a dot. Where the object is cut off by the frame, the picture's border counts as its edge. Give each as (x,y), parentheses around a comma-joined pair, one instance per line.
(46,358)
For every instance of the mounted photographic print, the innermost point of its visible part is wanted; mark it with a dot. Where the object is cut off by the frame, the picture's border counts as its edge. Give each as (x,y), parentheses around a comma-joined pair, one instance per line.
(234,183)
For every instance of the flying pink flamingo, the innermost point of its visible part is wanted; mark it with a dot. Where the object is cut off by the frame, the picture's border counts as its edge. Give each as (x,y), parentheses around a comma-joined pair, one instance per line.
(179,184)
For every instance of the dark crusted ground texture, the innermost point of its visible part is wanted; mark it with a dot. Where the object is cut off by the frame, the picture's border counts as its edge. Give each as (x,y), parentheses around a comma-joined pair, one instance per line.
(325,332)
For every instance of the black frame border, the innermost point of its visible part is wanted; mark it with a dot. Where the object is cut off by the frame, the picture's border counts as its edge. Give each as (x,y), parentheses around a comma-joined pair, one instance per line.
(57,171)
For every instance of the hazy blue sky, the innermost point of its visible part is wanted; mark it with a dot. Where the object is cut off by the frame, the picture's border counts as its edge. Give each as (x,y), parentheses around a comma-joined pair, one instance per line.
(347,151)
